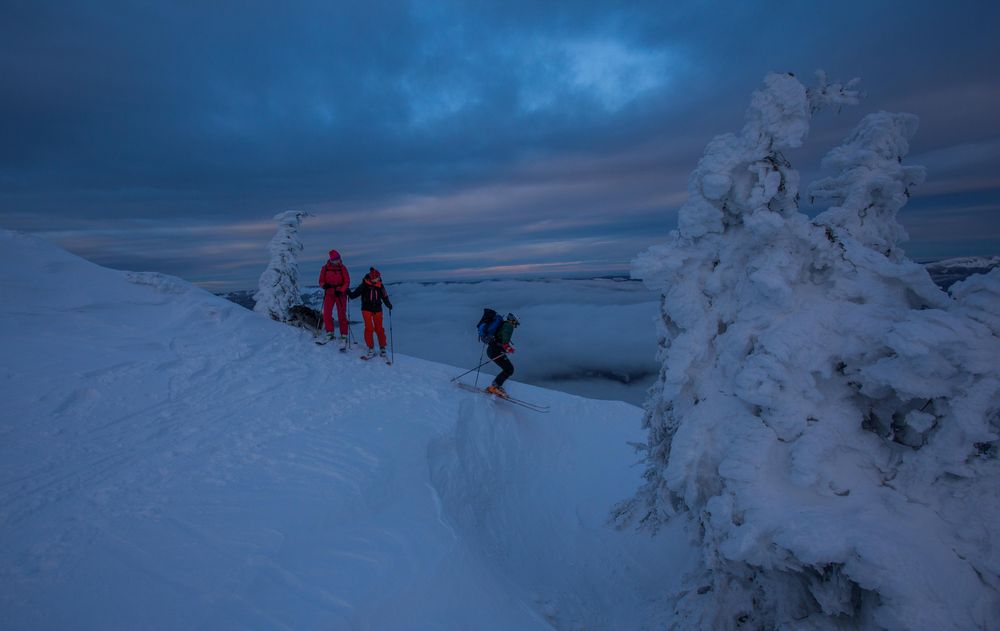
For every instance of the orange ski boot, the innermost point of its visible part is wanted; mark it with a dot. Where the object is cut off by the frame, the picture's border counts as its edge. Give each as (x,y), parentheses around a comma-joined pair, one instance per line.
(497,390)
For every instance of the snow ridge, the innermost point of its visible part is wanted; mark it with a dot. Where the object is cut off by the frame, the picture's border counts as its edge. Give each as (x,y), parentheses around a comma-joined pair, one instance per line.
(825,416)
(169,459)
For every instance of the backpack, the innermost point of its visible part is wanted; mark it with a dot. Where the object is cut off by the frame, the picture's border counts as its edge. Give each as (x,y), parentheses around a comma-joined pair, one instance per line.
(488,325)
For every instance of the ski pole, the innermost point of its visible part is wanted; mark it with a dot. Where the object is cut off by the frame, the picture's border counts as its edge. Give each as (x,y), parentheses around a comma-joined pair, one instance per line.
(392,349)
(350,330)
(481,353)
(478,367)
(470,370)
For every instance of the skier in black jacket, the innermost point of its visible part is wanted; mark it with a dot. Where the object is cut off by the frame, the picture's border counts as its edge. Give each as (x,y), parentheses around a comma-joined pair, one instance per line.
(498,348)
(373,296)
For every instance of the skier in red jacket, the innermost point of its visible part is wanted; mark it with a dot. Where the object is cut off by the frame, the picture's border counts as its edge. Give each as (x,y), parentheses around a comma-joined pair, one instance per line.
(335,281)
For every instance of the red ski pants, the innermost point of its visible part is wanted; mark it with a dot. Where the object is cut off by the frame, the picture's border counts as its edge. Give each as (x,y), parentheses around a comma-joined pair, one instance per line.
(329,299)
(373,324)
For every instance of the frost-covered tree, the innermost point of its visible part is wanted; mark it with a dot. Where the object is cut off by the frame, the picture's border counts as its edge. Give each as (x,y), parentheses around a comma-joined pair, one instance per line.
(825,417)
(278,287)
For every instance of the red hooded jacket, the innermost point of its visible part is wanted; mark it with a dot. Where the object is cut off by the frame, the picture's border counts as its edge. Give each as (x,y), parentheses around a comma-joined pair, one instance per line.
(334,274)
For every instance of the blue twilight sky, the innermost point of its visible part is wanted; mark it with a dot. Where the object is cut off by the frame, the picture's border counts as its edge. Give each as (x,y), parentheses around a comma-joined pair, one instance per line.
(441,140)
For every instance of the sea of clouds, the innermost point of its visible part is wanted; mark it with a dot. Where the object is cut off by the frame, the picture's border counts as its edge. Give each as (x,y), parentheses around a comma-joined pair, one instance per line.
(593,338)
(590,337)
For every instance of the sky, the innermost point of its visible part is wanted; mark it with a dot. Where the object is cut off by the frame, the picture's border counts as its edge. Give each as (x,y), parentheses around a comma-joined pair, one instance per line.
(454,140)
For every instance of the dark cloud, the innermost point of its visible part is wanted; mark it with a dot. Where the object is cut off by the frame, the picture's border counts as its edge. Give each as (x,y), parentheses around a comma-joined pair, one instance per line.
(424,135)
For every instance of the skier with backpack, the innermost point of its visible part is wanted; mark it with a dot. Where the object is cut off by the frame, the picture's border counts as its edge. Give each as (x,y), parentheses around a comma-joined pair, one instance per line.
(335,281)
(495,331)
(373,295)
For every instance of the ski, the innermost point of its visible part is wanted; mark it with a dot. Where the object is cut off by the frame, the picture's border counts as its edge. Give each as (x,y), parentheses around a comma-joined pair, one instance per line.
(323,341)
(544,409)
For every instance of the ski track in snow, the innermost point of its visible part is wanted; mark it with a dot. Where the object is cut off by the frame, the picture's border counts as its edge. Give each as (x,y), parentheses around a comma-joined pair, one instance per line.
(170,460)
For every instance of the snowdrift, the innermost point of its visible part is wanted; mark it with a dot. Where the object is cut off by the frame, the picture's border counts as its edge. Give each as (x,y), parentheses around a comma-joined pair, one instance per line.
(171,460)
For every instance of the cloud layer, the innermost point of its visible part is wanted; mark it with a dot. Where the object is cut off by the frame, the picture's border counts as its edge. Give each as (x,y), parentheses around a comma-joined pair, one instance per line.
(443,140)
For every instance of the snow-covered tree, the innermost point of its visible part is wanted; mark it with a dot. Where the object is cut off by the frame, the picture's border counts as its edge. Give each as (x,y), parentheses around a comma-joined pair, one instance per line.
(825,417)
(278,287)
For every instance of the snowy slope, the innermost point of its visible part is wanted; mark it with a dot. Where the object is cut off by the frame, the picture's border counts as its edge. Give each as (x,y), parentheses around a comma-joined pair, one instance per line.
(170,460)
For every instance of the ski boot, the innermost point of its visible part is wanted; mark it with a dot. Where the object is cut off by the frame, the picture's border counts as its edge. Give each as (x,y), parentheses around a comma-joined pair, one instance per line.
(497,390)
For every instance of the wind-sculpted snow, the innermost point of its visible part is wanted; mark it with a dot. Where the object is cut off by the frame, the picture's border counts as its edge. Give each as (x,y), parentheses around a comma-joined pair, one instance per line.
(825,415)
(170,460)
(531,500)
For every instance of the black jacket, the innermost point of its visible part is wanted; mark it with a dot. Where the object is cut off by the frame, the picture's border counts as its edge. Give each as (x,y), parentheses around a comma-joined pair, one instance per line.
(372,295)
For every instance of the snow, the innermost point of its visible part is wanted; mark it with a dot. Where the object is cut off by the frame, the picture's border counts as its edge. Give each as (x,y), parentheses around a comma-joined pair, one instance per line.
(278,287)
(821,442)
(826,417)
(169,459)
(591,337)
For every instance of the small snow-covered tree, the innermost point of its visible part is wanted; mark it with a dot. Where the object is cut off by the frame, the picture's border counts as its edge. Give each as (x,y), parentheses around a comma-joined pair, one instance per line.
(825,417)
(278,287)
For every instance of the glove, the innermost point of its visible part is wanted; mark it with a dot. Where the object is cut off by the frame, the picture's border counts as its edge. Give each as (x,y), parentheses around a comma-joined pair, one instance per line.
(327,286)
(508,348)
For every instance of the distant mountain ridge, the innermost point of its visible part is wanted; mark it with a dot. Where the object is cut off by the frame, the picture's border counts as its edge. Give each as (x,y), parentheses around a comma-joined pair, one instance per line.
(947,272)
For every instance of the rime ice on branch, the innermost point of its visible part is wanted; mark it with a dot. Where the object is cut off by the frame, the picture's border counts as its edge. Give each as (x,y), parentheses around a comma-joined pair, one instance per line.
(825,417)
(278,287)
(872,184)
